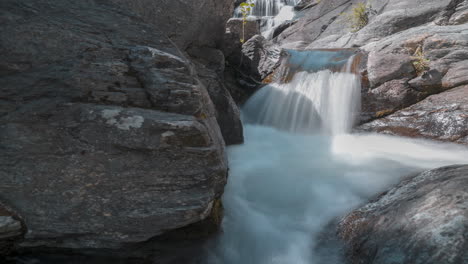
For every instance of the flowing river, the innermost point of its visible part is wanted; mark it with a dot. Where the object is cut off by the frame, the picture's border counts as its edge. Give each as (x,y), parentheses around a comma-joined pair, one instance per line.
(300,169)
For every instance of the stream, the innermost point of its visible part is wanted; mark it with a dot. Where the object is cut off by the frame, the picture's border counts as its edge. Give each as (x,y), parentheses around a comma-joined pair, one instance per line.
(300,169)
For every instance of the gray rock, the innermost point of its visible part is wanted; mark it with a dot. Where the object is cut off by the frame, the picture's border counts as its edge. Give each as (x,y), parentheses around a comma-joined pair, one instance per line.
(323,26)
(107,135)
(9,227)
(210,69)
(232,46)
(442,116)
(260,57)
(316,23)
(422,220)
(186,22)
(304,4)
(386,99)
(428,81)
(457,75)
(460,14)
(11,231)
(382,67)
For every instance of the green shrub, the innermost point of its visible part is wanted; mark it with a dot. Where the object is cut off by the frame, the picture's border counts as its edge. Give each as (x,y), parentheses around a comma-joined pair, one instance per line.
(358,17)
(420,62)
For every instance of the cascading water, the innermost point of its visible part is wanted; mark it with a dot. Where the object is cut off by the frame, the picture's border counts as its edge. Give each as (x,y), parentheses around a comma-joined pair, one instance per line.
(298,170)
(324,100)
(272,13)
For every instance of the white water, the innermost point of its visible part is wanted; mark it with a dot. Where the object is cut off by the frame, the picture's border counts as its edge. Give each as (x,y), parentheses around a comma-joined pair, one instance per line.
(285,187)
(272,12)
(286,13)
(308,103)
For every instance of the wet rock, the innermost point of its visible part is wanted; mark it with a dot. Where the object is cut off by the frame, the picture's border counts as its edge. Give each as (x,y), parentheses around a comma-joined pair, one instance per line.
(442,116)
(100,109)
(421,220)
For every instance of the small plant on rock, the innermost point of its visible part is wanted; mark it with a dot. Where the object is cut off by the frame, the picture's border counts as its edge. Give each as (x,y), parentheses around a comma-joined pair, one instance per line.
(420,62)
(358,17)
(245,9)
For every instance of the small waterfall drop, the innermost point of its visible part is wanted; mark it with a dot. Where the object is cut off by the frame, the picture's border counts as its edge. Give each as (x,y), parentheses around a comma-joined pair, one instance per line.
(272,13)
(300,170)
(309,102)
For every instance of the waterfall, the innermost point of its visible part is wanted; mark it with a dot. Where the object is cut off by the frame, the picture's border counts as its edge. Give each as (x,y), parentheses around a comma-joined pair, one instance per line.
(272,13)
(299,170)
(310,102)
(270,7)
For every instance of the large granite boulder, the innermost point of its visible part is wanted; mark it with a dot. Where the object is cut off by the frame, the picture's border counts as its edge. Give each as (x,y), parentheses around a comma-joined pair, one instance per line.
(422,220)
(197,27)
(107,135)
(442,116)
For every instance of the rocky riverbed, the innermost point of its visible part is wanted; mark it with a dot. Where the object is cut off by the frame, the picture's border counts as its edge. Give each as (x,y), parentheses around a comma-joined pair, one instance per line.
(115,116)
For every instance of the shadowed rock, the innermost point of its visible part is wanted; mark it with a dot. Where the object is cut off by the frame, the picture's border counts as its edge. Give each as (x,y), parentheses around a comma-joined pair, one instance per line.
(107,135)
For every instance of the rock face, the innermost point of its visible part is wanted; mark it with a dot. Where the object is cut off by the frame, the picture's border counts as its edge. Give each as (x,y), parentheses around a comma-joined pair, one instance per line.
(442,116)
(260,58)
(197,27)
(107,134)
(387,98)
(186,22)
(422,220)
(322,26)
(383,67)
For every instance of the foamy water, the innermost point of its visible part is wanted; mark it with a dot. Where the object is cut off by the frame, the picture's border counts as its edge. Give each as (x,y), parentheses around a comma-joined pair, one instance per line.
(299,170)
(321,101)
(284,188)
